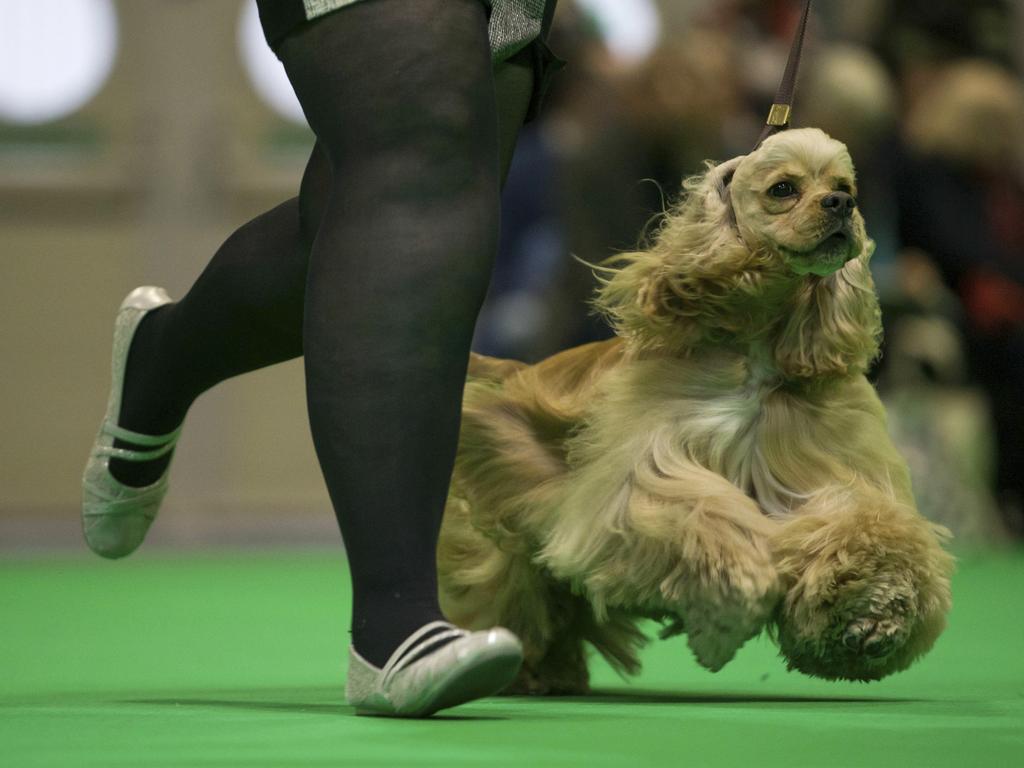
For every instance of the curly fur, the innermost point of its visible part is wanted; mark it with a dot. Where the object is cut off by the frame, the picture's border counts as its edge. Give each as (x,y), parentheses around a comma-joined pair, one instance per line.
(721,464)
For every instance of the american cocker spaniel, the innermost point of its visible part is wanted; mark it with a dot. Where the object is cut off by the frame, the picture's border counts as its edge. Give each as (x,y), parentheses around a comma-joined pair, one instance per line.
(722,464)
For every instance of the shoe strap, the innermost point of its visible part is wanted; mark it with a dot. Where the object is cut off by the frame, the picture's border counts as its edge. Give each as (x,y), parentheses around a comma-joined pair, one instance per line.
(138,438)
(128,454)
(166,444)
(407,651)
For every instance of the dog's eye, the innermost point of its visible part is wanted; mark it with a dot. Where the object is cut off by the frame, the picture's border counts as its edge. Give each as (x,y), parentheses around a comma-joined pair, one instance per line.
(783,189)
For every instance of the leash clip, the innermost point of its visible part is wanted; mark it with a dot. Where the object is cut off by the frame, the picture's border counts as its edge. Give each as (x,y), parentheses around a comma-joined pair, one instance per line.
(779,115)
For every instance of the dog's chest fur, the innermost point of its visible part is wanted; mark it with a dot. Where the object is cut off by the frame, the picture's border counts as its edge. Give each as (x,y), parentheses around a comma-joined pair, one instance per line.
(705,411)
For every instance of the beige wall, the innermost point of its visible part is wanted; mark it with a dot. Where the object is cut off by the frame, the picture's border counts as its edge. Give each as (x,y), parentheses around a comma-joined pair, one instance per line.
(186,153)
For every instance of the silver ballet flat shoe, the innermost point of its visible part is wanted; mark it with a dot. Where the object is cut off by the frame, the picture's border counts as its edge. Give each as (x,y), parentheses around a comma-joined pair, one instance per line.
(115,516)
(418,680)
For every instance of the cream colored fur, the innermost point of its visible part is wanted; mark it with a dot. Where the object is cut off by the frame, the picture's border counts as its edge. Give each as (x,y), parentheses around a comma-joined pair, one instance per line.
(721,464)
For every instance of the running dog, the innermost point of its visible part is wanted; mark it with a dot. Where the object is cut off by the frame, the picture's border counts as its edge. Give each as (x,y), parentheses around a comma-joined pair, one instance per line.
(722,464)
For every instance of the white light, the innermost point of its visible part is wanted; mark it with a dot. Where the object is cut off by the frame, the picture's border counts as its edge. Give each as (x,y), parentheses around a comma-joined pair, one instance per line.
(630,28)
(264,69)
(54,56)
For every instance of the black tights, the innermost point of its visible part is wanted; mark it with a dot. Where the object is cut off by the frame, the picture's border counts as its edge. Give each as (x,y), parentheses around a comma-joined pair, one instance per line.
(376,274)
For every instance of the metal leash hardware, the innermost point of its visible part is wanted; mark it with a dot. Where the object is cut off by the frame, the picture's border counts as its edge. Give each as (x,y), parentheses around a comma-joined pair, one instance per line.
(782,108)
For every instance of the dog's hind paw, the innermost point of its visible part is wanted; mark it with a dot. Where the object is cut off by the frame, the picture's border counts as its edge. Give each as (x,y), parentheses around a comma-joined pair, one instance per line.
(547,682)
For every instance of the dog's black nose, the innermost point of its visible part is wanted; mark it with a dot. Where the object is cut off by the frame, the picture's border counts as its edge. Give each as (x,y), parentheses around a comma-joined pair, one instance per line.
(840,203)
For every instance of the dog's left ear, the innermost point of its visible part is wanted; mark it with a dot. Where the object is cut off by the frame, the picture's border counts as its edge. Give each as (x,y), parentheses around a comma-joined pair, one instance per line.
(718,201)
(658,297)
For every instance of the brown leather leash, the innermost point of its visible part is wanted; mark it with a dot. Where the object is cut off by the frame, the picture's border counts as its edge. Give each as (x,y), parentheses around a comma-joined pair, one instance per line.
(782,108)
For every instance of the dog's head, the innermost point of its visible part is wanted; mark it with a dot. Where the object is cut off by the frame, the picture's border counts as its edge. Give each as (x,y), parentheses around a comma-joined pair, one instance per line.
(796,196)
(765,247)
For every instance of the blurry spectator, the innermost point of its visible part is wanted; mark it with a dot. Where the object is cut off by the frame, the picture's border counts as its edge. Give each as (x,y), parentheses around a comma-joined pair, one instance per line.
(941,424)
(916,36)
(848,93)
(961,200)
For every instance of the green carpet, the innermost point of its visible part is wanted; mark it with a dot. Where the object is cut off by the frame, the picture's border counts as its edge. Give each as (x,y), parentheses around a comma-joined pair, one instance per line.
(236,660)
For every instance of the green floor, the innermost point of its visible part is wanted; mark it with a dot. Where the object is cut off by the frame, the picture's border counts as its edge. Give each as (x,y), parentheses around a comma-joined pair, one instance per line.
(236,660)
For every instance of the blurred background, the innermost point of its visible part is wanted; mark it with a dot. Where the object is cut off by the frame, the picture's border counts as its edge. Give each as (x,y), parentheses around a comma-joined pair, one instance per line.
(136,135)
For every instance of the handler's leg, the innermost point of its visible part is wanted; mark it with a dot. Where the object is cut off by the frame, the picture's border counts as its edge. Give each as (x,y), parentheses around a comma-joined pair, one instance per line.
(401,97)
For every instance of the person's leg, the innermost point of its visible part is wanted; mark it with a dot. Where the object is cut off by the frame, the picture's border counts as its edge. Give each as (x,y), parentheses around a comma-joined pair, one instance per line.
(402,99)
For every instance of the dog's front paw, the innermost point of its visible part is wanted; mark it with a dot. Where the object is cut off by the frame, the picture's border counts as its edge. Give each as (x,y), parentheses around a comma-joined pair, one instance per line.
(874,637)
(860,631)
(722,603)
(867,594)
